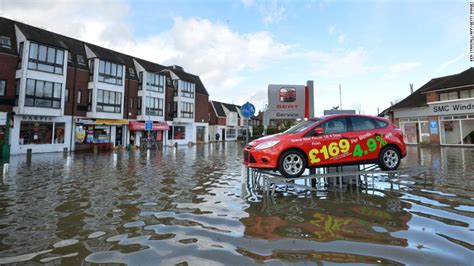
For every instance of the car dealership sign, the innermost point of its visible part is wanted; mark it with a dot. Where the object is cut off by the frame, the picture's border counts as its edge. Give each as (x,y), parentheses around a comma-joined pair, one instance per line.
(290,101)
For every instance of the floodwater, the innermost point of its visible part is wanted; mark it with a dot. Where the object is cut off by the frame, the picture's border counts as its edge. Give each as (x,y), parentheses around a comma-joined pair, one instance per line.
(193,206)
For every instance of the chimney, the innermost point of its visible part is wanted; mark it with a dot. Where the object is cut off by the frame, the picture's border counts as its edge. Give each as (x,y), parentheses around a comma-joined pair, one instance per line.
(411,88)
(391,103)
(176,67)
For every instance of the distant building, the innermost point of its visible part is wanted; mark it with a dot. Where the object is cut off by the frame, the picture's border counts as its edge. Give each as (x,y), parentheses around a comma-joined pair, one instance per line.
(441,112)
(226,120)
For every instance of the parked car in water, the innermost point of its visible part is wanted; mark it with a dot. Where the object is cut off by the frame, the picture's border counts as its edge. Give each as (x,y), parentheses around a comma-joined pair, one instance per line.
(334,140)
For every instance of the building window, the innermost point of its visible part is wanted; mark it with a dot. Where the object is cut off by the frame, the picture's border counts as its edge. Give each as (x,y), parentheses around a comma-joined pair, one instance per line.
(69,57)
(109,101)
(45,58)
(175,109)
(110,73)
(5,42)
(155,82)
(59,133)
(187,89)
(179,132)
(131,72)
(466,94)
(43,94)
(3,87)
(20,55)
(80,60)
(91,70)
(36,133)
(79,97)
(66,95)
(230,133)
(17,91)
(154,106)
(187,110)
(139,105)
(140,80)
(446,96)
(89,100)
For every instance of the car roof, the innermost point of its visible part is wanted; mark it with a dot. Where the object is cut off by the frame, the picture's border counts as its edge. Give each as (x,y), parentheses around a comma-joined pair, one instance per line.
(326,117)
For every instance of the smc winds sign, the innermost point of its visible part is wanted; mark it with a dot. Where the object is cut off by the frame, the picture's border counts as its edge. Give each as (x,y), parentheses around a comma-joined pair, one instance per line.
(458,107)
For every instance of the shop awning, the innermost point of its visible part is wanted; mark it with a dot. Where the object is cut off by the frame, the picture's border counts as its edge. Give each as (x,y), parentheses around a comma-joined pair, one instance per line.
(136,125)
(111,121)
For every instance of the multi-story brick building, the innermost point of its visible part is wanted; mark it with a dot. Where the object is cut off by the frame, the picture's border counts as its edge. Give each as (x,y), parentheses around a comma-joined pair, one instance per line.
(441,112)
(65,93)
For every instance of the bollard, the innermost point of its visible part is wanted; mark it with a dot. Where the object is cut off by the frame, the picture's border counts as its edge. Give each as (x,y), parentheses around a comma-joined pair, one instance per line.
(65,152)
(29,152)
(5,170)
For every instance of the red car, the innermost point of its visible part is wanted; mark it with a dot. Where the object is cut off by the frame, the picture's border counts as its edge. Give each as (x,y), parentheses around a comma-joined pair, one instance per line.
(329,141)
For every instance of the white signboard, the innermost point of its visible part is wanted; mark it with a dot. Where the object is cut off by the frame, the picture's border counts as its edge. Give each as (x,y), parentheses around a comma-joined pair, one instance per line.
(450,108)
(286,101)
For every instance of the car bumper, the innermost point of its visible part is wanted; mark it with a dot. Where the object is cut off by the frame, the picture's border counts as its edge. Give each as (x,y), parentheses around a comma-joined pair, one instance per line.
(266,158)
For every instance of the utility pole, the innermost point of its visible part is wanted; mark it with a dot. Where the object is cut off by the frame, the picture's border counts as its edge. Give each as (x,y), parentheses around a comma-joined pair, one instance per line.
(340,97)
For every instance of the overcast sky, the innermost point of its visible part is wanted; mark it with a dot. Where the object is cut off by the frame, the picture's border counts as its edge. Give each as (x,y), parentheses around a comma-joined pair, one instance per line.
(375,49)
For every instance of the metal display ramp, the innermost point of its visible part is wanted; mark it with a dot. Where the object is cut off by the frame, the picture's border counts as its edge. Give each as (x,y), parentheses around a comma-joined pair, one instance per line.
(324,179)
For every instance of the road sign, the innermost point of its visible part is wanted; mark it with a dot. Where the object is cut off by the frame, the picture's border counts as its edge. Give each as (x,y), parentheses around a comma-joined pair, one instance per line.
(148,125)
(247,110)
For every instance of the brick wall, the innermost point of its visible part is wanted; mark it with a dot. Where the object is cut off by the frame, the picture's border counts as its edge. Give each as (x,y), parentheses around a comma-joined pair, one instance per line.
(432,97)
(131,91)
(169,103)
(7,72)
(82,81)
(201,108)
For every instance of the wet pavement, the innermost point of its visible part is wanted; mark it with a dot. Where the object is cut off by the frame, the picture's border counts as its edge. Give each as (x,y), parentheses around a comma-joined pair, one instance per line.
(193,205)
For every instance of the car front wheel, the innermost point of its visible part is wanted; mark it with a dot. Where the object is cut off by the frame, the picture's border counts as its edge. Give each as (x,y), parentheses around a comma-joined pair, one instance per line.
(389,158)
(292,163)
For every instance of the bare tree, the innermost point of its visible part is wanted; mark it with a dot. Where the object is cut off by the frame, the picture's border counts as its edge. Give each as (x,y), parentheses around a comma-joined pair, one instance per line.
(359,108)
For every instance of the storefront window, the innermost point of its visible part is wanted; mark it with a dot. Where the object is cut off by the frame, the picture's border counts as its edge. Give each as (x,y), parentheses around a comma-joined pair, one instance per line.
(425,132)
(450,132)
(468,131)
(410,132)
(102,134)
(59,133)
(230,133)
(179,132)
(36,133)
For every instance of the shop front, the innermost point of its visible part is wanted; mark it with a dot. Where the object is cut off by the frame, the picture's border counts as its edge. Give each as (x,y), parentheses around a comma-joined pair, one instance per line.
(39,133)
(441,123)
(100,133)
(181,133)
(140,136)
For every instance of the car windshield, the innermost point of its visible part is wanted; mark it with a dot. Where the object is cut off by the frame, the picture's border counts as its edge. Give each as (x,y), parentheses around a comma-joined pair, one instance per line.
(302,126)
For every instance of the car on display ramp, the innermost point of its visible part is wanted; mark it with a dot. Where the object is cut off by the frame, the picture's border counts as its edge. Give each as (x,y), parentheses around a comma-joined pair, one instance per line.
(334,140)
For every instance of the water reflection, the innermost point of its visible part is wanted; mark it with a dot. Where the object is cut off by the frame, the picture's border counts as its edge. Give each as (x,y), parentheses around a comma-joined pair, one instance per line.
(192,205)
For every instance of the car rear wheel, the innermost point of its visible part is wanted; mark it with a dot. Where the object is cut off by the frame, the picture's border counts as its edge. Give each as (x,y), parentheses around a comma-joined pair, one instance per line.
(292,163)
(389,158)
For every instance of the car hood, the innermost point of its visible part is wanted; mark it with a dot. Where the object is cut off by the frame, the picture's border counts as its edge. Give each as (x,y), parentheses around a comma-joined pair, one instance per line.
(266,138)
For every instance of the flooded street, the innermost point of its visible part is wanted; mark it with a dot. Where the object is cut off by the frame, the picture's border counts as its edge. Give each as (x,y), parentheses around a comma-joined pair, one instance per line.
(192,205)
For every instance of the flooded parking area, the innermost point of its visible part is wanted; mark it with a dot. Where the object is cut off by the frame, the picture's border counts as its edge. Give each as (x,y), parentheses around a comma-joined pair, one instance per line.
(193,205)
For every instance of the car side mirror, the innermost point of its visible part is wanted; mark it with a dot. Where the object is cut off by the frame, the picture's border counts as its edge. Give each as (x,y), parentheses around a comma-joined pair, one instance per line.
(318,131)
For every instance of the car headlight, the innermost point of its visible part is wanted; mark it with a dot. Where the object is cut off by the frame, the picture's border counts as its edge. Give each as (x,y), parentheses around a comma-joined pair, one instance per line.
(267,144)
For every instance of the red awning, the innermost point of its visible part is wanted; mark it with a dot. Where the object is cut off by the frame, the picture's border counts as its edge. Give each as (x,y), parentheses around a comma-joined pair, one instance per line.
(135,125)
